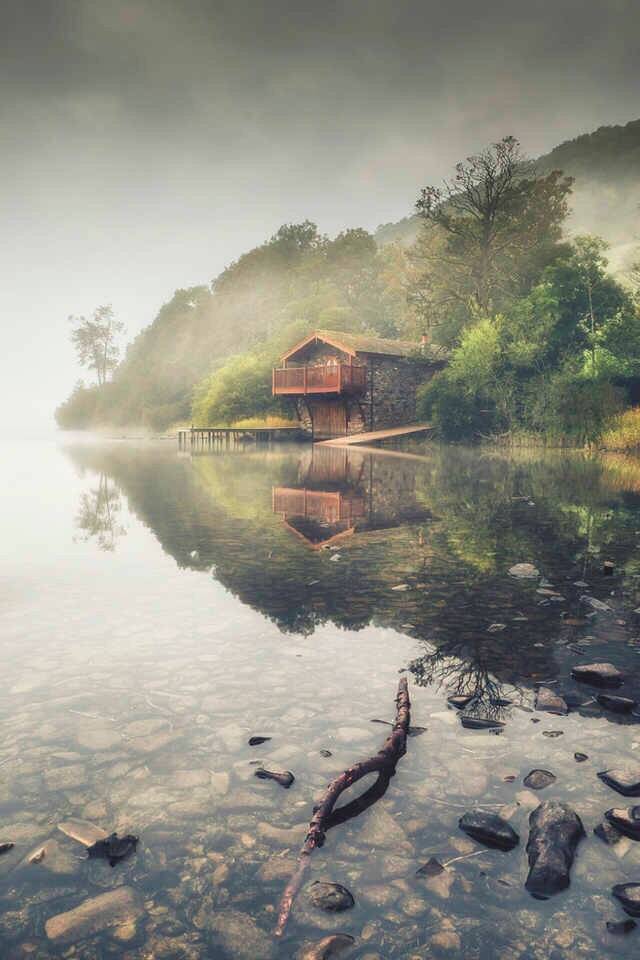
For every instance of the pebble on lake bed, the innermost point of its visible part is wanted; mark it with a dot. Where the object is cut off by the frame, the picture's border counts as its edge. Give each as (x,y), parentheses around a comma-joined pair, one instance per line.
(331,946)
(329,896)
(489,829)
(551,702)
(108,910)
(284,777)
(625,780)
(539,779)
(598,674)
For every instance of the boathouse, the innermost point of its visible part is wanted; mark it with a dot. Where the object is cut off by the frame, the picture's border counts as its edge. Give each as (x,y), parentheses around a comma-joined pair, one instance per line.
(346,383)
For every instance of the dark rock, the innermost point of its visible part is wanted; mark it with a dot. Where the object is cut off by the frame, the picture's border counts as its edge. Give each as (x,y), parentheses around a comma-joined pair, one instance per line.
(629,896)
(331,946)
(489,829)
(552,733)
(627,821)
(481,723)
(550,701)
(626,780)
(330,896)
(608,567)
(616,704)
(580,757)
(555,831)
(607,833)
(460,701)
(256,741)
(5,847)
(416,731)
(598,674)
(620,928)
(284,777)
(432,868)
(113,848)
(539,779)
(535,719)
(326,753)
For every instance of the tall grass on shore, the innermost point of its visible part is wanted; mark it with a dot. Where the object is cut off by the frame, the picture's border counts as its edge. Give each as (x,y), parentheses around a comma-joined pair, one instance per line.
(624,432)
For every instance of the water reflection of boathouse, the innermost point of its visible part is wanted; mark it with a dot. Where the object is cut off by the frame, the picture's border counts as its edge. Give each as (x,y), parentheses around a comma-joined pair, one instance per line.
(341,492)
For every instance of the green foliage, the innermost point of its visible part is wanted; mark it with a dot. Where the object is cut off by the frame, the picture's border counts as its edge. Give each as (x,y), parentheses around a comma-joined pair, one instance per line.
(487,234)
(557,363)
(296,281)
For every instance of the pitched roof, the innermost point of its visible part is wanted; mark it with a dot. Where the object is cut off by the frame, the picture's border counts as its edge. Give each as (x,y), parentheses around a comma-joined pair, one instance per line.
(354,343)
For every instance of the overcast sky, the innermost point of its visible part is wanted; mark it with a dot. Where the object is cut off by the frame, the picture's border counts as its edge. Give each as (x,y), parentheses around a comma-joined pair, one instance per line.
(147,143)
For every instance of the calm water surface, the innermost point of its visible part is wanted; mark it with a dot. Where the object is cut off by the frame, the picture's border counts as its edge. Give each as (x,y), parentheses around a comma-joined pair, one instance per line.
(157,610)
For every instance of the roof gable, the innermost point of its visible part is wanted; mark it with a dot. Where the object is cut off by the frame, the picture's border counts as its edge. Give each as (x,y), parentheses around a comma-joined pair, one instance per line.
(356,343)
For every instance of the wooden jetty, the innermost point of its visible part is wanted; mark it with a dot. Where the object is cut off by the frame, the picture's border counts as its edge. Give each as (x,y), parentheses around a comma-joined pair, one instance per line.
(204,438)
(376,436)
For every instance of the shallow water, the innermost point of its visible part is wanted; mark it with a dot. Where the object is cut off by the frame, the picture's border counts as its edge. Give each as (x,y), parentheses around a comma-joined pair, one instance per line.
(157,610)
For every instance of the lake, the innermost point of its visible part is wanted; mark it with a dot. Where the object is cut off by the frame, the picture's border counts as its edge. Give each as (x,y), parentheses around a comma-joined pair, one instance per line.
(158,610)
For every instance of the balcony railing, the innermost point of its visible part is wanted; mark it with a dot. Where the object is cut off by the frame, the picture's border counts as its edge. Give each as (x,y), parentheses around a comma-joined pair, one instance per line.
(328,378)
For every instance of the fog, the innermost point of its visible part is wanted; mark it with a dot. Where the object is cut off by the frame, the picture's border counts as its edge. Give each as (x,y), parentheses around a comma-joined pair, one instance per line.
(147,143)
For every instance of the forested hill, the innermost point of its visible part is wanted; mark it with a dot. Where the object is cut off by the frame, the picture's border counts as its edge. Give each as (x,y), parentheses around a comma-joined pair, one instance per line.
(605,165)
(296,281)
(299,280)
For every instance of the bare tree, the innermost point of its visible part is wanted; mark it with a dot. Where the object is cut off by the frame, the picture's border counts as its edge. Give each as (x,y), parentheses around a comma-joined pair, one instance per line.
(95,341)
(482,228)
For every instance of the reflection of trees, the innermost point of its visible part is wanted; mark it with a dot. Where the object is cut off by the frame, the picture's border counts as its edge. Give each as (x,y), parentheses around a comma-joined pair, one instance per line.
(98,517)
(463,672)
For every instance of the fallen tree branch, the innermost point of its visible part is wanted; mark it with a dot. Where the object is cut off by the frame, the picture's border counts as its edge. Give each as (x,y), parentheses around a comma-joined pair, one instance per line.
(384,763)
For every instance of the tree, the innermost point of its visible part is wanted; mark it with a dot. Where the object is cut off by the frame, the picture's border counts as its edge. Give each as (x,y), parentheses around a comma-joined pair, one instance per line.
(487,234)
(95,341)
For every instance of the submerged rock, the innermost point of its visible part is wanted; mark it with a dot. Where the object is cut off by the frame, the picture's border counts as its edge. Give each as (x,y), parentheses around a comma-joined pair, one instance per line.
(606,832)
(628,894)
(83,831)
(626,780)
(616,704)
(551,702)
(114,848)
(627,821)
(460,700)
(256,741)
(113,909)
(5,847)
(481,723)
(332,897)
(331,946)
(239,934)
(524,571)
(552,734)
(555,832)
(620,928)
(580,757)
(539,779)
(284,777)
(432,868)
(489,829)
(598,674)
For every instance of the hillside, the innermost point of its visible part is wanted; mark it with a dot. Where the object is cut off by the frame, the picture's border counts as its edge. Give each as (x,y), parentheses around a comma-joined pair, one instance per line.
(606,168)
(296,281)
(299,279)
(606,199)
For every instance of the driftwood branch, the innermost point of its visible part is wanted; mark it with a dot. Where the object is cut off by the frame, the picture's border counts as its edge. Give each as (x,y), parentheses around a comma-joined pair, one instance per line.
(384,763)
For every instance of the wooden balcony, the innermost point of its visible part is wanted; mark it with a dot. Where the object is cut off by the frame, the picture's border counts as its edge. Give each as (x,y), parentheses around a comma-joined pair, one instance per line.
(331,378)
